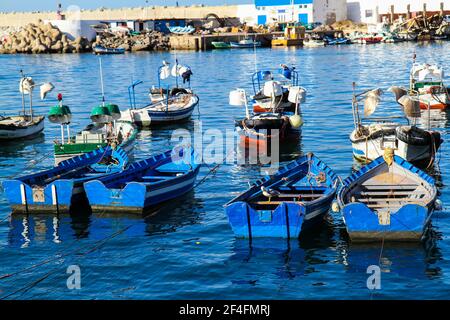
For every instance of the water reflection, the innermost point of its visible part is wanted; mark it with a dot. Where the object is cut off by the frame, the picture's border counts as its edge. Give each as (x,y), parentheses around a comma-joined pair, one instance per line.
(291,258)
(412,261)
(12,149)
(27,229)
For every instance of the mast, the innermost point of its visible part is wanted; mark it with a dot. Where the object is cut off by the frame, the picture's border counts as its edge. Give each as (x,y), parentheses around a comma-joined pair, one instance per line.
(21,91)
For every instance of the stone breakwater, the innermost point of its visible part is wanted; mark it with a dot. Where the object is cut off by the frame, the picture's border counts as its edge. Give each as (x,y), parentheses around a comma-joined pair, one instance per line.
(152,40)
(45,38)
(41,38)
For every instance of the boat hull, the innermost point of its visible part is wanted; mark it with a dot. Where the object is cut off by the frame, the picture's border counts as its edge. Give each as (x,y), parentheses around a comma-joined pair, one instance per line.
(8,132)
(366,150)
(68,151)
(135,197)
(387,200)
(46,191)
(286,221)
(149,116)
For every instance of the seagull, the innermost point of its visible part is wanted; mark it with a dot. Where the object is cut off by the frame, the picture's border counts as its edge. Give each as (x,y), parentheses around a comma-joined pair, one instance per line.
(269,193)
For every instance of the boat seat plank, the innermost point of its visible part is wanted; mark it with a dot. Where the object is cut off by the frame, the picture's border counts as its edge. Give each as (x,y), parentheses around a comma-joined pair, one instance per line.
(174,168)
(297,195)
(384,193)
(273,202)
(389,200)
(391,187)
(156,178)
(390,206)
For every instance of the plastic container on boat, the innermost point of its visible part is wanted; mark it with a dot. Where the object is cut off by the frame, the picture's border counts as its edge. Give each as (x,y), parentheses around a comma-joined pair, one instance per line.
(272,88)
(297,94)
(237,97)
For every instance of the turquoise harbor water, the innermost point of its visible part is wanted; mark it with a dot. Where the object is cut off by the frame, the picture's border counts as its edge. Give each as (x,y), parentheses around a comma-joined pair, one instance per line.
(187,250)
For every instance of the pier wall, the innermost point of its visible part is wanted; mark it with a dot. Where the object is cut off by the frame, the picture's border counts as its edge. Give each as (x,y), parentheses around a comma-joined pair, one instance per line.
(203,42)
(17,19)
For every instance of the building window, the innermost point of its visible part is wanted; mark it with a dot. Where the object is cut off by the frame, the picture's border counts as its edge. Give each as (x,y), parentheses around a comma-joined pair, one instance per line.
(369,13)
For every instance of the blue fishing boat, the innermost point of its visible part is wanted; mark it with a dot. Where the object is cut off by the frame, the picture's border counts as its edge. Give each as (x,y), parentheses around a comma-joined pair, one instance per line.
(145,184)
(388,199)
(59,188)
(336,41)
(103,50)
(298,196)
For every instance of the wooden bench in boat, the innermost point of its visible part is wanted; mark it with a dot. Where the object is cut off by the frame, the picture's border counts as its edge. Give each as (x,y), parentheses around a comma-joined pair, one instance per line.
(391,187)
(264,203)
(156,178)
(299,195)
(389,200)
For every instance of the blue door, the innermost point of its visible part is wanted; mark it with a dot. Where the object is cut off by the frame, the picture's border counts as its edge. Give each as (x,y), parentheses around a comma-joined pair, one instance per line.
(303,18)
(262,19)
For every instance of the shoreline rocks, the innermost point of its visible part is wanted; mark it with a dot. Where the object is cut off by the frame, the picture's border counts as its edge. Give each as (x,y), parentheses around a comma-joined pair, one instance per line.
(46,38)
(147,41)
(41,38)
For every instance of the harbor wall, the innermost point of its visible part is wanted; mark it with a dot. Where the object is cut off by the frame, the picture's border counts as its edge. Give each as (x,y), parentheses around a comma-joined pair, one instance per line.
(16,19)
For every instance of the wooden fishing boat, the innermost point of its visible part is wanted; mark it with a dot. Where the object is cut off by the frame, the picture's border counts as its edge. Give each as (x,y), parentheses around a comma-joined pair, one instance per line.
(410,142)
(97,135)
(426,82)
(167,105)
(27,124)
(295,198)
(176,108)
(369,39)
(245,44)
(275,92)
(106,129)
(59,188)
(388,199)
(181,30)
(314,43)
(145,184)
(103,50)
(220,45)
(263,128)
(336,41)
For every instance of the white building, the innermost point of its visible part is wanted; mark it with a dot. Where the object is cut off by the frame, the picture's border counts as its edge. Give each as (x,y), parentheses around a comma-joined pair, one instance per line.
(374,11)
(305,11)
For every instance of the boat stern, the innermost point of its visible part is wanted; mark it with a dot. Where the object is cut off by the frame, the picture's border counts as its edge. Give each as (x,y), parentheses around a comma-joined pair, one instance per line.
(285,221)
(130,199)
(365,225)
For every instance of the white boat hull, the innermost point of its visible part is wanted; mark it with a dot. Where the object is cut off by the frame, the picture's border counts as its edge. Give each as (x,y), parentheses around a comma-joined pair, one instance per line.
(373,148)
(22,132)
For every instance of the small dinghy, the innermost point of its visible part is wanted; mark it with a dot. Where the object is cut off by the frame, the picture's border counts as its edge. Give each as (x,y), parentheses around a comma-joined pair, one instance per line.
(145,183)
(167,105)
(388,199)
(314,43)
(26,124)
(245,44)
(298,196)
(103,50)
(57,189)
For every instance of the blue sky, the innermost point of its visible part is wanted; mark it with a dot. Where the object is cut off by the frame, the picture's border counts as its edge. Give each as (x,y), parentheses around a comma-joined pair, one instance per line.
(46,5)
